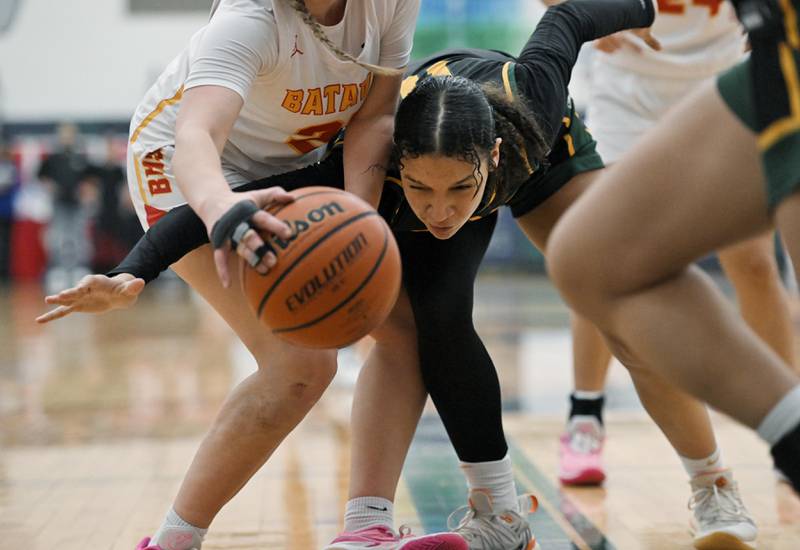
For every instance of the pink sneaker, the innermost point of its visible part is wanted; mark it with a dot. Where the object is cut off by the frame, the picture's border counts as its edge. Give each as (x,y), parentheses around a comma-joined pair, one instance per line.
(143,545)
(580,458)
(383,538)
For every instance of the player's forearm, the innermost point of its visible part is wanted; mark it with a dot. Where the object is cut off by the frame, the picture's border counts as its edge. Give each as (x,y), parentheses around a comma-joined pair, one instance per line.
(597,18)
(176,234)
(198,173)
(367,145)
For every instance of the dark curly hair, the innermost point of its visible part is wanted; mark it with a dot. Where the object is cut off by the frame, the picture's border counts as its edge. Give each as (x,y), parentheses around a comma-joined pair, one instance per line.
(455,117)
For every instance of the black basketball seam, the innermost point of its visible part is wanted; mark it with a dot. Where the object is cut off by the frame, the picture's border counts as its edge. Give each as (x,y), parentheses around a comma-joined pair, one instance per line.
(306,253)
(344,302)
(301,197)
(335,190)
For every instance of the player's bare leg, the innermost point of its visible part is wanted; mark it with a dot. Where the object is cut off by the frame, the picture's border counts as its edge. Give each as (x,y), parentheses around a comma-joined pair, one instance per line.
(258,414)
(763,301)
(623,263)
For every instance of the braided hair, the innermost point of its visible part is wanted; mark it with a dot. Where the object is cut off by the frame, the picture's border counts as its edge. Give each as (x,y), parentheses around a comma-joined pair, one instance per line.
(455,117)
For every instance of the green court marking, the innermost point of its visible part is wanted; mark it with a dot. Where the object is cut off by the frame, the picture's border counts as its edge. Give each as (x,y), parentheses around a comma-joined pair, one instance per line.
(437,488)
(546,490)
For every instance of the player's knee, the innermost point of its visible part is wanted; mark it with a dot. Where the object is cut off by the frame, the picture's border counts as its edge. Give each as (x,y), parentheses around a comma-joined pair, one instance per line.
(299,371)
(575,272)
(757,271)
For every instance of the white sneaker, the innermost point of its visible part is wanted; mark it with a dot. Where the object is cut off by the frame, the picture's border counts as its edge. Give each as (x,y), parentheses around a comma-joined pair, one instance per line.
(720,521)
(485,528)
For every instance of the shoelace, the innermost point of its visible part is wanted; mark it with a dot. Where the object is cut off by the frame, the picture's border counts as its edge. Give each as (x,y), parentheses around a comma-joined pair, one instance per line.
(584,442)
(476,528)
(729,506)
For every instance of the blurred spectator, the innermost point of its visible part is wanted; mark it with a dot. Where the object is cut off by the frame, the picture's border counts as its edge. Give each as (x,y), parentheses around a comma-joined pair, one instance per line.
(67,242)
(109,236)
(9,185)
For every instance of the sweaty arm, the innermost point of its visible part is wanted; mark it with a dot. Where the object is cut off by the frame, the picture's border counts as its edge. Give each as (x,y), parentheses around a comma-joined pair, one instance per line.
(544,67)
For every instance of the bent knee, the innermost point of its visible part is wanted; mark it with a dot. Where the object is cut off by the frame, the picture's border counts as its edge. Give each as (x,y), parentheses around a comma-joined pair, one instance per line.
(757,269)
(577,272)
(308,368)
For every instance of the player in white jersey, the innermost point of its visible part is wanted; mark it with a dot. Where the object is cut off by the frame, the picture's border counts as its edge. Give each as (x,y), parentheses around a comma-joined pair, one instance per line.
(260,90)
(632,87)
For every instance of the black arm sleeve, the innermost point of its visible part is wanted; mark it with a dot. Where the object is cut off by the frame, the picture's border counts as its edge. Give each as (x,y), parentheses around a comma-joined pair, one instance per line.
(180,230)
(544,66)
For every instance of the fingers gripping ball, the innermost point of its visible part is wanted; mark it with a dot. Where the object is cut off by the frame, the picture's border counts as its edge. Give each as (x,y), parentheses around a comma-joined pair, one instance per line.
(336,278)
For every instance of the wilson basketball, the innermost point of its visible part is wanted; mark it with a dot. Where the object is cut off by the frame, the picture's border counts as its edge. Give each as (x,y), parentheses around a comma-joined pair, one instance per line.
(336,278)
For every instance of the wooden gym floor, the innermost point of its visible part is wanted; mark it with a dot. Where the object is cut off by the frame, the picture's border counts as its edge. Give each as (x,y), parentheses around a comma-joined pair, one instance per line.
(88,461)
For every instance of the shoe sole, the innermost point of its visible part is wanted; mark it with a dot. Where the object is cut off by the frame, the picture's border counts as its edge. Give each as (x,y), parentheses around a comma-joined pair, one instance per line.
(445,542)
(591,476)
(722,541)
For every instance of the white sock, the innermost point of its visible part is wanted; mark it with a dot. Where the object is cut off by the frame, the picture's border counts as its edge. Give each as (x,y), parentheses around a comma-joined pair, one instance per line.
(782,419)
(366,512)
(699,466)
(177,534)
(498,478)
(590,395)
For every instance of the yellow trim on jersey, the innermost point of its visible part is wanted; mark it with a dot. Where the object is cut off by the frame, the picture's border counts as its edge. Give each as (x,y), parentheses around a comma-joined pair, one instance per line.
(163,104)
(409,83)
(780,128)
(439,69)
(494,194)
(790,21)
(139,178)
(507,80)
(568,138)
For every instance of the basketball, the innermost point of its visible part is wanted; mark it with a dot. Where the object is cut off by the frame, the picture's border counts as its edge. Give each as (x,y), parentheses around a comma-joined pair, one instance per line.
(336,278)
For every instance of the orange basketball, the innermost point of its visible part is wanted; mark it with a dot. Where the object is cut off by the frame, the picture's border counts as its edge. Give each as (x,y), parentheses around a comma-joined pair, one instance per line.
(336,278)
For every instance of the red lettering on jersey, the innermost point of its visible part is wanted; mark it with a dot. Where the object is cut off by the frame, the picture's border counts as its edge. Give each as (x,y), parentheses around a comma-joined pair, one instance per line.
(671,6)
(331,91)
(313,102)
(293,101)
(712,5)
(679,6)
(349,97)
(307,139)
(154,171)
(159,186)
(152,168)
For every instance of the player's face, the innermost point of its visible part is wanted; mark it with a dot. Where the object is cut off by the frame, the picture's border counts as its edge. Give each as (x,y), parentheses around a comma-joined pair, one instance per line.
(445,191)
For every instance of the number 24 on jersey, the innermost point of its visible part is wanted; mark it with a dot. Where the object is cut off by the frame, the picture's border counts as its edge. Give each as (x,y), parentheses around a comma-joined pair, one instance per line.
(679,6)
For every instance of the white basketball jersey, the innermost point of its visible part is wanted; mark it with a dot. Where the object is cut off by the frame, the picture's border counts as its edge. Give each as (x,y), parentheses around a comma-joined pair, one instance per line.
(297,93)
(699,38)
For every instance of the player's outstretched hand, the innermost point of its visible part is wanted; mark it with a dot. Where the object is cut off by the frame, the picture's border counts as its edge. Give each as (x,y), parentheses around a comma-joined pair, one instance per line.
(94,294)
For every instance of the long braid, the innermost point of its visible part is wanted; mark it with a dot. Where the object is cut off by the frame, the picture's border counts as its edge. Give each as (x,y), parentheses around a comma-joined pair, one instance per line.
(300,7)
(520,132)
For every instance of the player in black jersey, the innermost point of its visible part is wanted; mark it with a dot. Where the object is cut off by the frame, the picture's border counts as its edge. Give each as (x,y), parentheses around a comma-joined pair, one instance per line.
(722,167)
(462,151)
